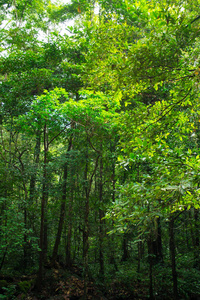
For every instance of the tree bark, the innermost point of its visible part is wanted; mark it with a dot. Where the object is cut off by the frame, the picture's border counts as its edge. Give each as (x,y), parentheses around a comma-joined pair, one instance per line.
(88,185)
(62,209)
(196,239)
(39,279)
(101,221)
(70,214)
(3,258)
(34,173)
(112,252)
(173,257)
(69,234)
(159,241)
(86,230)
(151,262)
(125,248)
(140,254)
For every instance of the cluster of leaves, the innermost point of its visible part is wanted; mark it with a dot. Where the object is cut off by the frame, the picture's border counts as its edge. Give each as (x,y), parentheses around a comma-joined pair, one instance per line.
(108,117)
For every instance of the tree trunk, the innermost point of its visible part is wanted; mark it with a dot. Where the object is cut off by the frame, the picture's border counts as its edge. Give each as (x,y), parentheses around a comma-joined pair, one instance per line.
(86,229)
(151,262)
(196,239)
(151,296)
(125,255)
(43,211)
(3,258)
(187,237)
(25,234)
(69,234)
(62,209)
(159,241)
(34,173)
(22,170)
(140,253)
(88,185)
(70,214)
(101,221)
(173,257)
(69,231)
(112,252)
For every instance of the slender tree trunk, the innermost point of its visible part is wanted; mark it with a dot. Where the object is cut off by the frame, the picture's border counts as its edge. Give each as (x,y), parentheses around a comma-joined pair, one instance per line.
(173,258)
(86,246)
(3,258)
(25,234)
(186,231)
(4,207)
(86,229)
(196,239)
(43,211)
(70,214)
(101,221)
(157,244)
(45,235)
(159,241)
(140,249)
(62,209)
(22,170)
(151,296)
(88,185)
(112,252)
(34,174)
(69,232)
(61,219)
(125,248)
(151,262)
(191,223)
(32,189)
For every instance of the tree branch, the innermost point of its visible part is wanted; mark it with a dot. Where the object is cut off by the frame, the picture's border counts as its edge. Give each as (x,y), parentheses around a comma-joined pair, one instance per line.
(170,108)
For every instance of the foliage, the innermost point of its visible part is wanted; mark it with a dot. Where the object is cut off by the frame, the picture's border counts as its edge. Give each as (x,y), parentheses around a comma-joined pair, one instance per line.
(99,144)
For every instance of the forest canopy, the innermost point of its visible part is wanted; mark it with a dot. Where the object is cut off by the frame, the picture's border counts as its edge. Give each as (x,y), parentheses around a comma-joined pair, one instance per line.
(99,147)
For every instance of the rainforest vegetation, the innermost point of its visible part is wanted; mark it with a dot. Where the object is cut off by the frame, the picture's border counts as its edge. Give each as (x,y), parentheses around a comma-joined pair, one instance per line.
(100,149)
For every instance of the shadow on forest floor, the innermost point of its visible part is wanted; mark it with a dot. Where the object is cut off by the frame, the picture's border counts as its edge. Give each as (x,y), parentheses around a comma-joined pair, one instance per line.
(60,284)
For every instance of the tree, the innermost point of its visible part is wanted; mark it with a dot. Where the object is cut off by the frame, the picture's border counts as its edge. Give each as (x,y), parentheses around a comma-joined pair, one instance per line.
(100,133)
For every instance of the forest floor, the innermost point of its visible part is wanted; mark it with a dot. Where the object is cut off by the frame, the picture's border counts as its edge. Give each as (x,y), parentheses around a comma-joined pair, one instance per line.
(60,284)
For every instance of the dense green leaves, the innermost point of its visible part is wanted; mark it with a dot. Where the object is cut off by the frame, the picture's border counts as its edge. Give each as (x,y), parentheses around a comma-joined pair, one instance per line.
(99,140)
